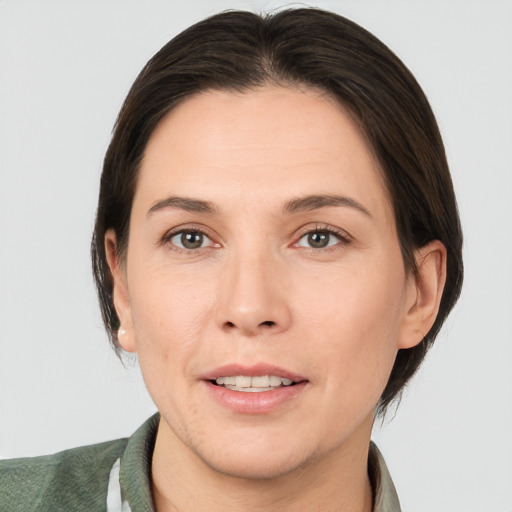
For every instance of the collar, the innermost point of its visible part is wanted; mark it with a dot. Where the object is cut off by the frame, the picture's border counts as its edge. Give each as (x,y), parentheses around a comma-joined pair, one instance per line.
(135,473)
(385,498)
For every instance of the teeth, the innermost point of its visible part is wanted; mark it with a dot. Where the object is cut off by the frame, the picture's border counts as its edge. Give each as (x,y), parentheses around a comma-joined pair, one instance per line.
(249,390)
(253,384)
(260,382)
(275,381)
(243,382)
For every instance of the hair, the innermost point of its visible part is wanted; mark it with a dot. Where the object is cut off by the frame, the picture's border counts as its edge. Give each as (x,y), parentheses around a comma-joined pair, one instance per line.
(239,51)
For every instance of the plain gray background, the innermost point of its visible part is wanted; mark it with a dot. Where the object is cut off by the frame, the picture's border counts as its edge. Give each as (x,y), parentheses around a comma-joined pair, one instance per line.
(65,69)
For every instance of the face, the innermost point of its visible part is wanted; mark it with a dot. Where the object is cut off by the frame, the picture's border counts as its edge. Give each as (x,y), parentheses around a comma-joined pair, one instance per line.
(263,287)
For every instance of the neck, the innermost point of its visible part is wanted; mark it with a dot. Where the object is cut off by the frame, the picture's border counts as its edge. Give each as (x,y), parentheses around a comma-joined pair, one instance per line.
(336,482)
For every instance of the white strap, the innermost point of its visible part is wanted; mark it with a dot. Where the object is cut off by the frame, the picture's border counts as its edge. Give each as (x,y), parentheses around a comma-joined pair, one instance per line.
(114,499)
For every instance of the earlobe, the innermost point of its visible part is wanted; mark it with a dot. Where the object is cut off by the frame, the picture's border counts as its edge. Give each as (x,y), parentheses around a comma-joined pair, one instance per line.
(424,294)
(120,294)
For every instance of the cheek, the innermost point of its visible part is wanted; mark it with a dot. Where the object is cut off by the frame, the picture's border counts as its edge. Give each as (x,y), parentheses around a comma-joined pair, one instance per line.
(169,311)
(354,318)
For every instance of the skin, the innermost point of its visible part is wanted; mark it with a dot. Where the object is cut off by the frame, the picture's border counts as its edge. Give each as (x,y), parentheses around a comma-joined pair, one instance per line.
(256,291)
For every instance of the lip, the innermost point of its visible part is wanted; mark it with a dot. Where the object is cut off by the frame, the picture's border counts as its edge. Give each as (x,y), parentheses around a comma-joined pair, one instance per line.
(263,402)
(252,371)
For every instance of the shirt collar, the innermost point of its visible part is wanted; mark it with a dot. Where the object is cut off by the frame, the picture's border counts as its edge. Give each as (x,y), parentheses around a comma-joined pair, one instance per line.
(135,472)
(385,498)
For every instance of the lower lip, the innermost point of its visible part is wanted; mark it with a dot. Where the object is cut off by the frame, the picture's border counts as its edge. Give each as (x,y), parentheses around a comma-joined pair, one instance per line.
(255,403)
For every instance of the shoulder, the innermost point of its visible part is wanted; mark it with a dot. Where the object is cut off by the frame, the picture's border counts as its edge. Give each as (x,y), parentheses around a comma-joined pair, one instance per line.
(70,480)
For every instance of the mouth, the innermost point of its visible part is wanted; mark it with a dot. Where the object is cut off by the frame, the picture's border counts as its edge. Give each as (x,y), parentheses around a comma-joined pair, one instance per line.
(253,384)
(254,389)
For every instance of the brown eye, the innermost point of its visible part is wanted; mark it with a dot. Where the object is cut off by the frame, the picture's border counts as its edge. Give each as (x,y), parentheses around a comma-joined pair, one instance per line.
(190,240)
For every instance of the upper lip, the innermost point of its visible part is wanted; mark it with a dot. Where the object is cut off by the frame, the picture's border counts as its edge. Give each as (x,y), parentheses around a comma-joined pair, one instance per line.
(254,370)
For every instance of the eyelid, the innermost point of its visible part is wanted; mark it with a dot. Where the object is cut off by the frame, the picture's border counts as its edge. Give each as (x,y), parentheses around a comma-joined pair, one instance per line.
(171,233)
(344,236)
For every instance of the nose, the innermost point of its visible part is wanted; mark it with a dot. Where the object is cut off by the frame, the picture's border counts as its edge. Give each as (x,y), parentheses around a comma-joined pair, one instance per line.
(253,296)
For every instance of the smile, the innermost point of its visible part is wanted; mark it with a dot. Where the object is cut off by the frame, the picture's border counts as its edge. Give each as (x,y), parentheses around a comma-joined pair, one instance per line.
(254,384)
(254,389)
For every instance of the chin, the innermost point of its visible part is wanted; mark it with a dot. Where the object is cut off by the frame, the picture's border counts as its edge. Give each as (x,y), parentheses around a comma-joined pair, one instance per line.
(256,461)
(258,468)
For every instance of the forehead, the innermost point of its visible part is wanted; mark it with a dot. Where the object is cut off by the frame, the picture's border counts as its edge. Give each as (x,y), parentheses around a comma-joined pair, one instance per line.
(271,142)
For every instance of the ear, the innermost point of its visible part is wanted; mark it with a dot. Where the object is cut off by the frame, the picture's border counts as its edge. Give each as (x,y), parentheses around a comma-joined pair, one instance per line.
(120,293)
(424,292)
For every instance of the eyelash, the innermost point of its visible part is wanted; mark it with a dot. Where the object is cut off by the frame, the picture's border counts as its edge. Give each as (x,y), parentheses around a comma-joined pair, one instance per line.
(343,238)
(166,240)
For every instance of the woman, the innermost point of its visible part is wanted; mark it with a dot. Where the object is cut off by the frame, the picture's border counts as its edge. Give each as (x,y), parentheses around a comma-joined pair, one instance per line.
(277,239)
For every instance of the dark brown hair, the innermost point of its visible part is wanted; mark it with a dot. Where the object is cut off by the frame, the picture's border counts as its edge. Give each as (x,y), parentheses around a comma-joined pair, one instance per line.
(238,51)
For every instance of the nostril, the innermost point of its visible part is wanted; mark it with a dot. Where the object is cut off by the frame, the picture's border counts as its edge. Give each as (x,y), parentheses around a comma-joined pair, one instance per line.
(229,325)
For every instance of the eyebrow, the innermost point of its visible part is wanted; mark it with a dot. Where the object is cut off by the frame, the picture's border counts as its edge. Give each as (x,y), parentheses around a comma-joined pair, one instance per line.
(184,203)
(301,204)
(314,202)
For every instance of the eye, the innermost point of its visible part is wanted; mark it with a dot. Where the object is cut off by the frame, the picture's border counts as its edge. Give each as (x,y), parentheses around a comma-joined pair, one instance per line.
(190,239)
(320,239)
